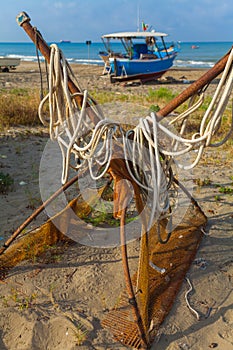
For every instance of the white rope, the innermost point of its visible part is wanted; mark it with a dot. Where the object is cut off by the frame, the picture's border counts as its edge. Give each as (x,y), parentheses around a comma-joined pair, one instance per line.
(149,150)
(71,126)
(187,301)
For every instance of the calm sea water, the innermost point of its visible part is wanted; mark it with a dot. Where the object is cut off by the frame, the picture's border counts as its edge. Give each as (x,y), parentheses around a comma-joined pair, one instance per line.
(204,56)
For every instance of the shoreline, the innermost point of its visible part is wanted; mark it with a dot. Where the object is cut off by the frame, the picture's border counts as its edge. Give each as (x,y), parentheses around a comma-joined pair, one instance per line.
(28,63)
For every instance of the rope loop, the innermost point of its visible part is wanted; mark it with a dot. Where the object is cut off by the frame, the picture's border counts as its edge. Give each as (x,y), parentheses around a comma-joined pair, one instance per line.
(149,150)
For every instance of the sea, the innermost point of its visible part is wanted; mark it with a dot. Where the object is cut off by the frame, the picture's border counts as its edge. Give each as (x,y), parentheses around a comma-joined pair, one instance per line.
(191,55)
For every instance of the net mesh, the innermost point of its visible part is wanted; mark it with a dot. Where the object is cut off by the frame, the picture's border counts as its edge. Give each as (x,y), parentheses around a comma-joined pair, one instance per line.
(156,292)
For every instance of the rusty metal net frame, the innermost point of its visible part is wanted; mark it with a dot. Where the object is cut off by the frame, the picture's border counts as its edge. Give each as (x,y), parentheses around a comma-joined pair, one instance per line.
(75,113)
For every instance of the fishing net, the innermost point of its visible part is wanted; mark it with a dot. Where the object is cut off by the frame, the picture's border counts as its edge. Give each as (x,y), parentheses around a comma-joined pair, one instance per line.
(148,156)
(152,153)
(157,290)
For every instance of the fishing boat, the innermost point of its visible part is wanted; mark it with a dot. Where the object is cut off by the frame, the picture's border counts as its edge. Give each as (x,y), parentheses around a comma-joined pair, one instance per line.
(7,63)
(144,56)
(194,47)
(65,41)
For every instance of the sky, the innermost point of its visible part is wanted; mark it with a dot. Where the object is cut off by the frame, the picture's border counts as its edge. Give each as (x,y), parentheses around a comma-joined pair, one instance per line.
(81,20)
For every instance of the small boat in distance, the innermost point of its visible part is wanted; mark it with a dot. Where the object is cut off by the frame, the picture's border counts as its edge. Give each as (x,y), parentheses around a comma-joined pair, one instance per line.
(7,63)
(145,56)
(65,41)
(194,47)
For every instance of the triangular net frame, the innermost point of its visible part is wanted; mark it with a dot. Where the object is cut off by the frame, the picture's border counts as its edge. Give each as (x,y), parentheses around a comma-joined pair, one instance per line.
(149,295)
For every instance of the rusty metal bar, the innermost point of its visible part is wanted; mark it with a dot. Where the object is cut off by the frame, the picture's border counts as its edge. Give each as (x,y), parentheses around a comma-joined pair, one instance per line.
(195,87)
(128,282)
(37,212)
(23,21)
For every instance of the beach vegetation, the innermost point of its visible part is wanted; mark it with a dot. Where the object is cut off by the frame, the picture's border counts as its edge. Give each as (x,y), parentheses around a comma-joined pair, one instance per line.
(207,182)
(101,215)
(19,299)
(226,190)
(202,182)
(161,94)
(33,201)
(80,334)
(104,218)
(154,108)
(6,183)
(206,103)
(101,212)
(19,107)
(155,96)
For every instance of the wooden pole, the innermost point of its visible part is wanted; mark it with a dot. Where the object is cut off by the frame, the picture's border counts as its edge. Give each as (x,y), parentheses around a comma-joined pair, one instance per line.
(23,21)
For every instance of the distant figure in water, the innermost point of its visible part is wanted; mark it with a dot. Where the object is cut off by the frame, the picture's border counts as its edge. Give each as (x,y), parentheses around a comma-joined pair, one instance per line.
(195,47)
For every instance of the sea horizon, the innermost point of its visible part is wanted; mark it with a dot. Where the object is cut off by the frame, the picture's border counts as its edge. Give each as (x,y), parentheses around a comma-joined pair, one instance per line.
(193,54)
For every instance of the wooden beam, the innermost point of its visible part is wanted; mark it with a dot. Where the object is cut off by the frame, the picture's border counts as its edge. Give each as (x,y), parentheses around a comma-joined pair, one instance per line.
(195,87)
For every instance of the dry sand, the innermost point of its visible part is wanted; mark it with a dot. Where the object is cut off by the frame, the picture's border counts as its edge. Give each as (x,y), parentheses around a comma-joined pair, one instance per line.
(43,301)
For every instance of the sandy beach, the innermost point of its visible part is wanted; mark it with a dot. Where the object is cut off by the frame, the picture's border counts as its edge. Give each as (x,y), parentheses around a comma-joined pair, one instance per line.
(57,301)
(91,77)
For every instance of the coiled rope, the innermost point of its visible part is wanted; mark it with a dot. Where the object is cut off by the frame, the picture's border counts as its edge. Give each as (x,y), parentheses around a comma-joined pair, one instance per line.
(148,161)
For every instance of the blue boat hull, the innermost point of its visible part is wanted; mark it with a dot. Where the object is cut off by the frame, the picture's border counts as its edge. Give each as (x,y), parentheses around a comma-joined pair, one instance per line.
(126,69)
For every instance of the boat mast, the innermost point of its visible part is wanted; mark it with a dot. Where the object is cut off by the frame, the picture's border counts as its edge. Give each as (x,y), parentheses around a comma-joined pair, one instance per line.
(138,18)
